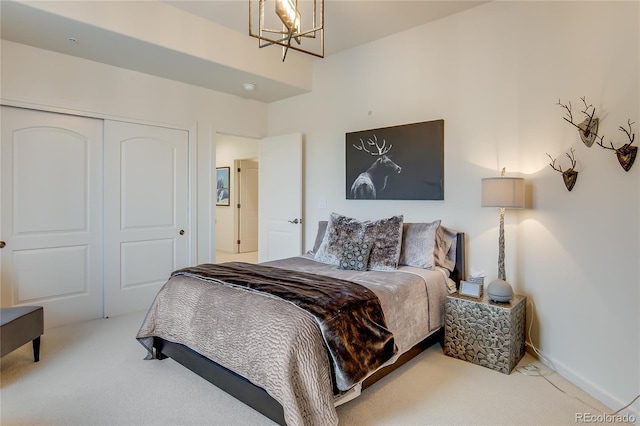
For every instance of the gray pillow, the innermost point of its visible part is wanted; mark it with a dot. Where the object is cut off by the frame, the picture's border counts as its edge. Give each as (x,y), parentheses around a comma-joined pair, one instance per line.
(385,237)
(340,230)
(419,246)
(355,256)
(445,255)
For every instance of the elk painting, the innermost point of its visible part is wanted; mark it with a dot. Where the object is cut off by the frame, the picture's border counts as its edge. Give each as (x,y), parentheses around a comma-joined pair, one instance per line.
(374,179)
(396,163)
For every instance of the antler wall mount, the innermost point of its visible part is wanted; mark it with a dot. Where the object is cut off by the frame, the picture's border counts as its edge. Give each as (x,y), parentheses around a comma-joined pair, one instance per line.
(570,176)
(626,153)
(588,130)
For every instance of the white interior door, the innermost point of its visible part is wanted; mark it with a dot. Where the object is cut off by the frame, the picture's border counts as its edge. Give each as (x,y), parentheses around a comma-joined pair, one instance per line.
(146,212)
(51,214)
(280,197)
(248,209)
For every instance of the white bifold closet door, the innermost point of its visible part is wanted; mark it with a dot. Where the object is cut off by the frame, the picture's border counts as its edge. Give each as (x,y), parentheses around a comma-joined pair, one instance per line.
(145,212)
(51,214)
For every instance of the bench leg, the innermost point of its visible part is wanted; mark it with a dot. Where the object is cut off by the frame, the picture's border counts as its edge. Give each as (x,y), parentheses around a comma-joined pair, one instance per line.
(36,349)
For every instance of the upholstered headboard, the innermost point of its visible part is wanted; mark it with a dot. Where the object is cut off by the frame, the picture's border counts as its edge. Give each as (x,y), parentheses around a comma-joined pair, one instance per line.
(459,272)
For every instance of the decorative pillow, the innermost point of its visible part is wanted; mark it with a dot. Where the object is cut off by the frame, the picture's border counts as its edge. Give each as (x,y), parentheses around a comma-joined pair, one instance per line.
(419,246)
(385,238)
(355,256)
(340,230)
(447,246)
(450,260)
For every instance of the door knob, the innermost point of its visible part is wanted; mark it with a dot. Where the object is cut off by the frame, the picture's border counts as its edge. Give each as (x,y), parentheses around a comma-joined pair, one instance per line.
(2,244)
(182,232)
(295,221)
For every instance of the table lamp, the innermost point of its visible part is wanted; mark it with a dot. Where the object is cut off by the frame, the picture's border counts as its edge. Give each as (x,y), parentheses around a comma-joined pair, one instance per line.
(505,193)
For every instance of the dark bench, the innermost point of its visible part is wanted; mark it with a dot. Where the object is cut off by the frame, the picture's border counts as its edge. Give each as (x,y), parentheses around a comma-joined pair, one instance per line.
(21,325)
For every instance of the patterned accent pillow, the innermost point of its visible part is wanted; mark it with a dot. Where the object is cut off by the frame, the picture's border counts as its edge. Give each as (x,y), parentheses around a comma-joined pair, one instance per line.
(340,230)
(355,256)
(419,244)
(385,237)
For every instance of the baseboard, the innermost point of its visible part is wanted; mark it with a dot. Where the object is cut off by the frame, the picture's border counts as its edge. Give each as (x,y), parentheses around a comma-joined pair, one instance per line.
(614,403)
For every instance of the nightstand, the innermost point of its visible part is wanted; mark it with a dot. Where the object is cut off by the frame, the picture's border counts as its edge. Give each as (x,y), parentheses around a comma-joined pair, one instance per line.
(484,332)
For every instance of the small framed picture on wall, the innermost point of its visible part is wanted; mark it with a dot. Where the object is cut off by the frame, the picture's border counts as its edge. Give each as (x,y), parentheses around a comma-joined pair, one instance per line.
(222,186)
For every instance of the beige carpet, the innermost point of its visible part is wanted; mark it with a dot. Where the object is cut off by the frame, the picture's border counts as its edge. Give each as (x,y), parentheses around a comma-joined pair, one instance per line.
(249,257)
(93,373)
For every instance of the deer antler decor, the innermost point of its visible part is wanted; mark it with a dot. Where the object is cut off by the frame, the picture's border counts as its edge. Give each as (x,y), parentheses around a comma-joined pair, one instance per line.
(570,176)
(588,129)
(382,149)
(626,153)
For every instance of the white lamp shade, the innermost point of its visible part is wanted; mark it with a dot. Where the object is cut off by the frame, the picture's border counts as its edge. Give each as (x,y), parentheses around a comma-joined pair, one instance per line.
(504,192)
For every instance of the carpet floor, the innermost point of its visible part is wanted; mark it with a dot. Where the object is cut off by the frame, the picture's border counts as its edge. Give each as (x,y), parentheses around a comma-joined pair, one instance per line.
(93,373)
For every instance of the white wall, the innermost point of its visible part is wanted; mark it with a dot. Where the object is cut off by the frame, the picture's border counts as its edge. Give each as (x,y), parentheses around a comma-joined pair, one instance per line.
(228,149)
(46,80)
(494,74)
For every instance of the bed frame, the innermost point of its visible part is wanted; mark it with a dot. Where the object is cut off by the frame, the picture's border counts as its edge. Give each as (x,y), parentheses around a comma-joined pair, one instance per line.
(255,396)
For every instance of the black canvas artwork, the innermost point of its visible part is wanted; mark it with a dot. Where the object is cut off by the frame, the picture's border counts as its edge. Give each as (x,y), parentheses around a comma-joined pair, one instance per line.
(396,163)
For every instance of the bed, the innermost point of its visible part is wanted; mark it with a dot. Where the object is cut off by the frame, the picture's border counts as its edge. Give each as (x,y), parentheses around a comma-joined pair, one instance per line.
(285,361)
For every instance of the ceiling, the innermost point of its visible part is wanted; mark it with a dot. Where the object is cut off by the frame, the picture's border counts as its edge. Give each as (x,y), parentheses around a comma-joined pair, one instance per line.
(348,23)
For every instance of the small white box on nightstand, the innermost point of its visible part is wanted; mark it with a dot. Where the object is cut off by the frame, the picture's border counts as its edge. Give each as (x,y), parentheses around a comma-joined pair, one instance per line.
(471,289)
(476,280)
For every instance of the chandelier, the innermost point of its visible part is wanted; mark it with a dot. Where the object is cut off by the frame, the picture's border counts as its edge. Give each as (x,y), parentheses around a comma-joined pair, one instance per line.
(281,22)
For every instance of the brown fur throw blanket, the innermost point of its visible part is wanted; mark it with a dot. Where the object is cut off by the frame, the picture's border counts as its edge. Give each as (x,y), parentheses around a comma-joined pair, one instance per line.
(349,315)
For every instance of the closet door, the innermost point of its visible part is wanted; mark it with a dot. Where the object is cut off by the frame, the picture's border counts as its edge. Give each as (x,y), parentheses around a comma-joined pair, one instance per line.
(146,228)
(51,214)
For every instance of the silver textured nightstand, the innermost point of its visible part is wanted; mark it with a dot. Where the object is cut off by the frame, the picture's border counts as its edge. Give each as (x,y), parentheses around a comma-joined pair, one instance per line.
(486,333)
